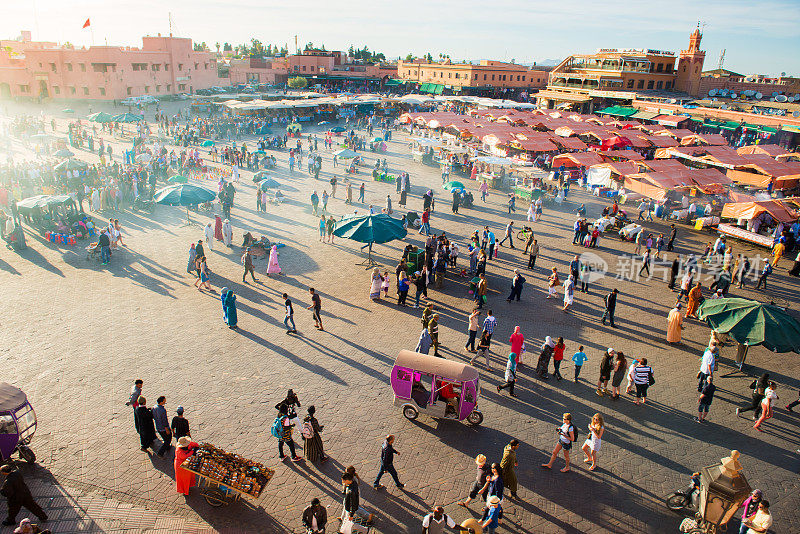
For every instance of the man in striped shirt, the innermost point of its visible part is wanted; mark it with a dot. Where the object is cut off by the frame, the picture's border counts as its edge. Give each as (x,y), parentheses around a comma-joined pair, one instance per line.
(489,325)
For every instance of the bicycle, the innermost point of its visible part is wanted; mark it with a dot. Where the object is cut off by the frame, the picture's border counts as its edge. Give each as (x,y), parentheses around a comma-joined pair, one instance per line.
(525,233)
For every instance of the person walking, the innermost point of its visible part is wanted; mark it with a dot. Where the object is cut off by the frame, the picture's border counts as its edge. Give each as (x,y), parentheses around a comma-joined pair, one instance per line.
(480,290)
(569,292)
(18,494)
(516,286)
(289,317)
(674,324)
(484,470)
(483,348)
(558,357)
(767,404)
(610,307)
(388,453)
(566,435)
(758,387)
(552,283)
(642,379)
(473,330)
(543,364)
(579,358)
(433,331)
(146,425)
(285,437)
(247,262)
(532,254)
(315,517)
(494,514)
(133,401)
(436,522)
(162,425)
(762,279)
(761,520)
(606,366)
(508,235)
(673,232)
(311,431)
(645,262)
(750,507)
(510,375)
(230,315)
(592,444)
(180,426)
(620,368)
(316,307)
(708,362)
(704,401)
(507,464)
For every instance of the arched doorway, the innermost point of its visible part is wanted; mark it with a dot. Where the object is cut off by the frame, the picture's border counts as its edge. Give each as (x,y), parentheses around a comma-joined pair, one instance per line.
(5,91)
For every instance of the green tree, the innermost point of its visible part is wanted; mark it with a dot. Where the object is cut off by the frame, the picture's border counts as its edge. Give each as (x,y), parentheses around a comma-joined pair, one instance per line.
(429,57)
(297,83)
(257,49)
(309,46)
(227,47)
(285,50)
(410,57)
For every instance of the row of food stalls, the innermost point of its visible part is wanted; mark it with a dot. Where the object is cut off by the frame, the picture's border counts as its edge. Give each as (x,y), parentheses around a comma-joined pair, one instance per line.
(653,161)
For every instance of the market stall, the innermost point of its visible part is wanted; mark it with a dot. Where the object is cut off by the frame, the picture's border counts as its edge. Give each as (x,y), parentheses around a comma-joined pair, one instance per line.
(490,169)
(225,476)
(758,222)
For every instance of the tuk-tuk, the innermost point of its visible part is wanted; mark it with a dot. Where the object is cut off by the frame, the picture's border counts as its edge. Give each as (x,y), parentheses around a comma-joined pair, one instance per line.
(436,387)
(17,424)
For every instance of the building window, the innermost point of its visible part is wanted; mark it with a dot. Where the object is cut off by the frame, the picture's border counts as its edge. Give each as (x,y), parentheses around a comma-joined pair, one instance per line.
(182,86)
(56,90)
(640,85)
(166,66)
(660,67)
(449,74)
(169,87)
(85,90)
(659,85)
(83,67)
(129,91)
(695,69)
(475,77)
(523,78)
(102,91)
(206,66)
(304,68)
(667,85)
(69,67)
(492,77)
(180,66)
(195,66)
(630,84)
(23,88)
(312,68)
(456,75)
(484,77)
(158,88)
(650,84)
(146,88)
(53,67)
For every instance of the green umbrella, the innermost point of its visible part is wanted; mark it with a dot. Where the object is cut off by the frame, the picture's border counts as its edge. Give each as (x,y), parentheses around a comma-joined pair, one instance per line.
(376,139)
(183,195)
(67,110)
(71,164)
(207,143)
(378,228)
(454,185)
(268,183)
(752,323)
(260,175)
(260,153)
(64,153)
(177,179)
(337,129)
(345,153)
(100,116)
(126,117)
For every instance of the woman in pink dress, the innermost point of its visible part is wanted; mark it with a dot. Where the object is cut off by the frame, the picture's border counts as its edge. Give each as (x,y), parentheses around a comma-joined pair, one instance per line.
(273,267)
(517,340)
(183,478)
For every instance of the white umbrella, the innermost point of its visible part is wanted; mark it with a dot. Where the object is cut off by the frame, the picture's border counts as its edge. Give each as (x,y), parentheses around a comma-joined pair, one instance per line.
(144,158)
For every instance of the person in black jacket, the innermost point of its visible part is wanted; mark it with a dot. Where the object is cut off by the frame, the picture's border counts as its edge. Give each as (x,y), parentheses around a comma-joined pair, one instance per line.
(516,286)
(611,306)
(18,495)
(351,497)
(315,517)
(146,424)
(387,463)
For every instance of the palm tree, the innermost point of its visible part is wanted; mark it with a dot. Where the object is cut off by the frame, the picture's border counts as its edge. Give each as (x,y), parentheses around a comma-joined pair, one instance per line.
(217,45)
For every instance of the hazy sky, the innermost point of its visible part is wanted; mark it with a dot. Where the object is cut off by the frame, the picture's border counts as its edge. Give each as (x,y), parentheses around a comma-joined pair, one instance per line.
(761,36)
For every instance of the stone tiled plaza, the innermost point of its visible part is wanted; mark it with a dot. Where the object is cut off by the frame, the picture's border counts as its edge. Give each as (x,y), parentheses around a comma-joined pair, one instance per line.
(76,334)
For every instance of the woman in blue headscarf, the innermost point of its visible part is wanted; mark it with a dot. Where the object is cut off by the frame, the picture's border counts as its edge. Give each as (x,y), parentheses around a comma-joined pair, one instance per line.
(229,307)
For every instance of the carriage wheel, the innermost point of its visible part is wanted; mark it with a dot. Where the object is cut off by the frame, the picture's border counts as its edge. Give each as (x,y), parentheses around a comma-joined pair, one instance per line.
(26,454)
(215,498)
(410,413)
(475,418)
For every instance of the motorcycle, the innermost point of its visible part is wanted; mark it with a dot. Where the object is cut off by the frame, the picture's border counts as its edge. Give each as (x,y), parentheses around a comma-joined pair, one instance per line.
(142,204)
(685,499)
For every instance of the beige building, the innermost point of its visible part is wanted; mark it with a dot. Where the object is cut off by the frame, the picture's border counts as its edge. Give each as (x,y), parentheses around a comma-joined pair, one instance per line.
(485,74)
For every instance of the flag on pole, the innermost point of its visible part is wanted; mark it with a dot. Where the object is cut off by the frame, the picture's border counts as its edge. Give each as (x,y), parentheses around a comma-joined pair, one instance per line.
(86,24)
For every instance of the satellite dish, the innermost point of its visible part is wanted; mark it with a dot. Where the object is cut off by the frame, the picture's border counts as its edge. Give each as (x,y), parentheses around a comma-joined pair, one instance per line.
(783,75)
(673,100)
(733,95)
(712,92)
(723,106)
(775,93)
(796,114)
(781,98)
(759,96)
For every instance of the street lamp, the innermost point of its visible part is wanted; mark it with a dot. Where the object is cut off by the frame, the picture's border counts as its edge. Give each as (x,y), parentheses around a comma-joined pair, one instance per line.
(723,488)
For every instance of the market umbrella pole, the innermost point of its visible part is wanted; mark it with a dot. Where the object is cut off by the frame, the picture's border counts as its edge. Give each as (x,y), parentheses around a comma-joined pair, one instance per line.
(368,261)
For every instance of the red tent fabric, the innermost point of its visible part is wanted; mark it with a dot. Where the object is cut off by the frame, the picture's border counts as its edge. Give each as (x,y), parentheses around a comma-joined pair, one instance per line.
(615,142)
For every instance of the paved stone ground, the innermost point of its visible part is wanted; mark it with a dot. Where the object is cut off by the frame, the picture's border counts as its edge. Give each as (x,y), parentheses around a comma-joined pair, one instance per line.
(76,334)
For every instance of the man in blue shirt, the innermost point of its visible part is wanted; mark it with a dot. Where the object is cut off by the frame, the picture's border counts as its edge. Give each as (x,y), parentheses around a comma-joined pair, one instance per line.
(578,358)
(162,425)
(492,241)
(493,515)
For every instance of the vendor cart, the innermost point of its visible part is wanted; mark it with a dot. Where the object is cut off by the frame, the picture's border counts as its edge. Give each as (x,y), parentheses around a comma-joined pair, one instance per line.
(224,478)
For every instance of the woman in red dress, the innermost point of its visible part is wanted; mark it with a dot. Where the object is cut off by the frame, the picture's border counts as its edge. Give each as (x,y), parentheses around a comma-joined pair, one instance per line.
(183,478)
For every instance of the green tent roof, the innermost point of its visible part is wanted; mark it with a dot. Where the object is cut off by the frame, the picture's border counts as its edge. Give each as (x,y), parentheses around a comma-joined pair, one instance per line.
(393,81)
(618,111)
